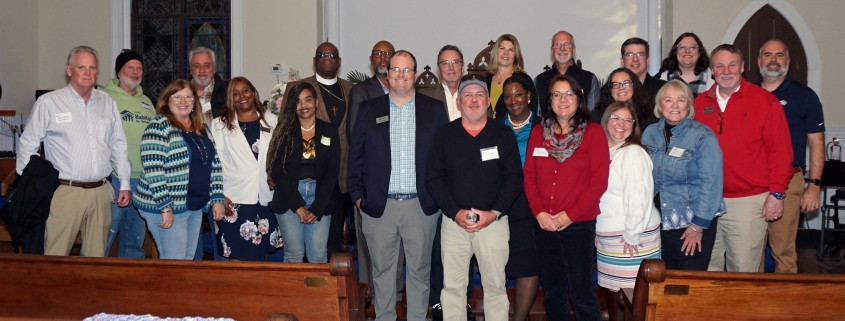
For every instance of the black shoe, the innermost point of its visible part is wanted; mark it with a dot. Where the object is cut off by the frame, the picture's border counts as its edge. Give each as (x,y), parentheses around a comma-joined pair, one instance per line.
(437,312)
(470,315)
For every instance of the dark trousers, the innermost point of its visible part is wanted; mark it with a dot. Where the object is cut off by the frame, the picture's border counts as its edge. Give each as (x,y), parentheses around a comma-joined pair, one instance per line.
(342,206)
(436,276)
(566,257)
(671,243)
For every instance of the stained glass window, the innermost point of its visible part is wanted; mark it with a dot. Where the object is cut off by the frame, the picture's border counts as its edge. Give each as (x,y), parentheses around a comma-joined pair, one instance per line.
(163,31)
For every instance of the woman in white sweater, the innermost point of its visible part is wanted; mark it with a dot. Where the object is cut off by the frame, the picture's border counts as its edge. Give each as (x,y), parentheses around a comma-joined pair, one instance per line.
(628,228)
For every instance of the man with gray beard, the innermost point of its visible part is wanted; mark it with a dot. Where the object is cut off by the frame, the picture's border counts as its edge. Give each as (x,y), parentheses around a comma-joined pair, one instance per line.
(135,110)
(805,118)
(563,54)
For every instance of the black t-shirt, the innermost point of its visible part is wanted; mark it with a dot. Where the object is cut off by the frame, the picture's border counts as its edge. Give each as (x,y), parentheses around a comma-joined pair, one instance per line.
(335,102)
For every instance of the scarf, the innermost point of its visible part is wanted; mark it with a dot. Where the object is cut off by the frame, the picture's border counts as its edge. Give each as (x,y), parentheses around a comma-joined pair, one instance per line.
(561,149)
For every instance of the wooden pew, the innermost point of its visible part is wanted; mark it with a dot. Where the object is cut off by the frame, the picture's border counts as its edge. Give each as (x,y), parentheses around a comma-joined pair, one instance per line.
(45,287)
(661,294)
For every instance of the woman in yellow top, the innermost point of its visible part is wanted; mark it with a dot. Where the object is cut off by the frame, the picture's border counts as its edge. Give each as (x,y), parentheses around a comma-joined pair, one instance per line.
(506,62)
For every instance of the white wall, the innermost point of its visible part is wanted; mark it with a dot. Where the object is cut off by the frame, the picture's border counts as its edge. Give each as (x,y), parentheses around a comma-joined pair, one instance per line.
(423,27)
(19,39)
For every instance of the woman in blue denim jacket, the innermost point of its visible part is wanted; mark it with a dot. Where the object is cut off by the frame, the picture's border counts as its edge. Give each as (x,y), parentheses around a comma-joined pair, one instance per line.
(687,179)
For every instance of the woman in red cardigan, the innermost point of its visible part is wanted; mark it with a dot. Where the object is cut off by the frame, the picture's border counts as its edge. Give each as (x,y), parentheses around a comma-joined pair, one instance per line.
(566,170)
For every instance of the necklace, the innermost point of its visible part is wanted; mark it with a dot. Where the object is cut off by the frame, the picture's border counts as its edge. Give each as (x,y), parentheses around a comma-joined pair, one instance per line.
(243,128)
(330,92)
(523,123)
(203,152)
(309,128)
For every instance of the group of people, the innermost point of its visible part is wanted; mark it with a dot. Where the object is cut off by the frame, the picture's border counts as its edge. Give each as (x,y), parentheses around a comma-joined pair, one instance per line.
(532,179)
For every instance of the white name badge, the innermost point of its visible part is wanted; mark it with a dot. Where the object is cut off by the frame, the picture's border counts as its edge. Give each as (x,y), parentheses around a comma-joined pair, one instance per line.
(63,118)
(326,140)
(382,119)
(489,153)
(676,152)
(540,152)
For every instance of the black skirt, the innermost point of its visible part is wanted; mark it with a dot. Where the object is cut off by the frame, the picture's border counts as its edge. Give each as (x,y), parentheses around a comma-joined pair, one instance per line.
(522,260)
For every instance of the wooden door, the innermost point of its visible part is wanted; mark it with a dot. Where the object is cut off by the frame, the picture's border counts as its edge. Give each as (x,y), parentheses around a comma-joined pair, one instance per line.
(766,24)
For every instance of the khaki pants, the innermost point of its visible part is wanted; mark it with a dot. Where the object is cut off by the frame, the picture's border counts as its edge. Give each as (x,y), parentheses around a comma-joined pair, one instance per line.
(782,232)
(740,235)
(77,210)
(491,249)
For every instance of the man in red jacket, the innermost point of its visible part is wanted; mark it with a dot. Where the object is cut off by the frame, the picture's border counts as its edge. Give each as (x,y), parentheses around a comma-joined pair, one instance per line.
(754,136)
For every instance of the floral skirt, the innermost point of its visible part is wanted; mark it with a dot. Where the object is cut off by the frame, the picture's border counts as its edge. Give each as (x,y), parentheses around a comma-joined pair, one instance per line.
(248,233)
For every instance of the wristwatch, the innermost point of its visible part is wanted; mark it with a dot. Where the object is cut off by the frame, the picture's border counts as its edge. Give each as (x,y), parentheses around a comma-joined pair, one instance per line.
(780,196)
(814,181)
(498,214)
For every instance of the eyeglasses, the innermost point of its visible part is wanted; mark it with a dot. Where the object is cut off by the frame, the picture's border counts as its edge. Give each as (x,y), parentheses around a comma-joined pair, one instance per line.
(445,63)
(569,95)
(631,55)
(565,45)
(626,121)
(383,53)
(621,84)
(402,70)
(327,54)
(688,48)
(186,97)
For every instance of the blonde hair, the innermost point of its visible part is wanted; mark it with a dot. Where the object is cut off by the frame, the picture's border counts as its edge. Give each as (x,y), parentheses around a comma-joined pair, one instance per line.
(493,67)
(682,90)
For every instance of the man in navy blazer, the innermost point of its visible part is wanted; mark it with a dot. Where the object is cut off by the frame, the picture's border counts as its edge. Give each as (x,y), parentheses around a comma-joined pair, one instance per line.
(387,162)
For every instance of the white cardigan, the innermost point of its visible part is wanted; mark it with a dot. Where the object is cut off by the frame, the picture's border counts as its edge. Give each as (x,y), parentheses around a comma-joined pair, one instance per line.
(244,177)
(628,203)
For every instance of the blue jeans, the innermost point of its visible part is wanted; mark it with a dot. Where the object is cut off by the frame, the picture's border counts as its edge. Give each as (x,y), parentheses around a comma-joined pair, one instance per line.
(128,222)
(179,242)
(299,238)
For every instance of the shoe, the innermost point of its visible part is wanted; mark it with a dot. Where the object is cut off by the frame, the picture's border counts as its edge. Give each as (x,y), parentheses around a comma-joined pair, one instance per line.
(436,312)
(470,315)
(401,310)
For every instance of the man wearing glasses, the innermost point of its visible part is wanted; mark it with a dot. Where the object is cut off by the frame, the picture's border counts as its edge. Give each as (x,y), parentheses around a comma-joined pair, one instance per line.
(563,53)
(332,99)
(750,125)
(366,90)
(83,138)
(387,165)
(635,58)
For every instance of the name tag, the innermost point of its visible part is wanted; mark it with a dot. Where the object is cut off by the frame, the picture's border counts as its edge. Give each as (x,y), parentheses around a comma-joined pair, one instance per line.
(145,105)
(709,110)
(265,129)
(540,152)
(676,152)
(382,119)
(326,140)
(489,153)
(63,118)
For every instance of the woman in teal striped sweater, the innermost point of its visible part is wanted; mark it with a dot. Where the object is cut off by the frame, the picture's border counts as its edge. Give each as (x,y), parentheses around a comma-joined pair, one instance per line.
(182,174)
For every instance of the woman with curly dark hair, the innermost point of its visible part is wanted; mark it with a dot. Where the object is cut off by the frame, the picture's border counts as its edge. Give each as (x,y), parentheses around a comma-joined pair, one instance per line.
(688,62)
(623,85)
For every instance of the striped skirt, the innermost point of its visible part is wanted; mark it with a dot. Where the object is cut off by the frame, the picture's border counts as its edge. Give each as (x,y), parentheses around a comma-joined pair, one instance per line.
(617,270)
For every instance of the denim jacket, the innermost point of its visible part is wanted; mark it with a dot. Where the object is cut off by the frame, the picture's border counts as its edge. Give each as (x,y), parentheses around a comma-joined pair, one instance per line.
(687,173)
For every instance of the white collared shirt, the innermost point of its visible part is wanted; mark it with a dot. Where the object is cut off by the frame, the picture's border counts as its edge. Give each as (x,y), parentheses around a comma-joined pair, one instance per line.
(452,103)
(723,102)
(324,81)
(84,141)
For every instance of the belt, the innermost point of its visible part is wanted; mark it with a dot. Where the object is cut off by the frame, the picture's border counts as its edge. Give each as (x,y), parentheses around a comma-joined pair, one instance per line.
(86,185)
(400,197)
(797,170)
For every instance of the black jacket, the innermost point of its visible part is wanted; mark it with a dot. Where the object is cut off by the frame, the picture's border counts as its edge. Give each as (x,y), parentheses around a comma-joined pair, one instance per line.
(28,205)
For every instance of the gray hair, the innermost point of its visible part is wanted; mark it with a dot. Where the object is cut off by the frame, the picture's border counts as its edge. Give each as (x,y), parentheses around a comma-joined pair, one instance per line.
(566,33)
(79,49)
(202,49)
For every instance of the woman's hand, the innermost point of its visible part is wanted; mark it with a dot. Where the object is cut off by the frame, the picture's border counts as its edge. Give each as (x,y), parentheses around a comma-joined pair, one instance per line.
(546,222)
(218,210)
(305,217)
(561,221)
(230,207)
(692,240)
(630,249)
(166,218)
(271,183)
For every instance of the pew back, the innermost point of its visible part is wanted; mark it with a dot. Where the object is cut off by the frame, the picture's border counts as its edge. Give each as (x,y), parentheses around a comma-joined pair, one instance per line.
(693,295)
(78,287)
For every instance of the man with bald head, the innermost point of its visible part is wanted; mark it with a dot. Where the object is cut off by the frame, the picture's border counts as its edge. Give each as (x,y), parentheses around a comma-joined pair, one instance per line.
(563,53)
(375,86)
(332,103)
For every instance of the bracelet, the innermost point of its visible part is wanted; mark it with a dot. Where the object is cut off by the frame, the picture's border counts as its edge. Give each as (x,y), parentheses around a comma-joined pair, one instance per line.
(694,230)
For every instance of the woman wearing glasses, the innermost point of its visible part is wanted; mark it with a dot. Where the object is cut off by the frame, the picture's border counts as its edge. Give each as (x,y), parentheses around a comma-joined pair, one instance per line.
(628,228)
(506,62)
(566,170)
(688,61)
(242,133)
(623,85)
(182,175)
(687,179)
(304,161)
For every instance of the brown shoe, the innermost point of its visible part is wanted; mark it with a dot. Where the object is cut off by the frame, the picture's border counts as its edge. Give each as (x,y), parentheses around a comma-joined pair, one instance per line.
(370,312)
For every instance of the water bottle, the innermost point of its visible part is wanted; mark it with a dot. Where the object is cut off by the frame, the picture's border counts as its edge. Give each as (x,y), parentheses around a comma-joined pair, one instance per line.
(835,151)
(472,217)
